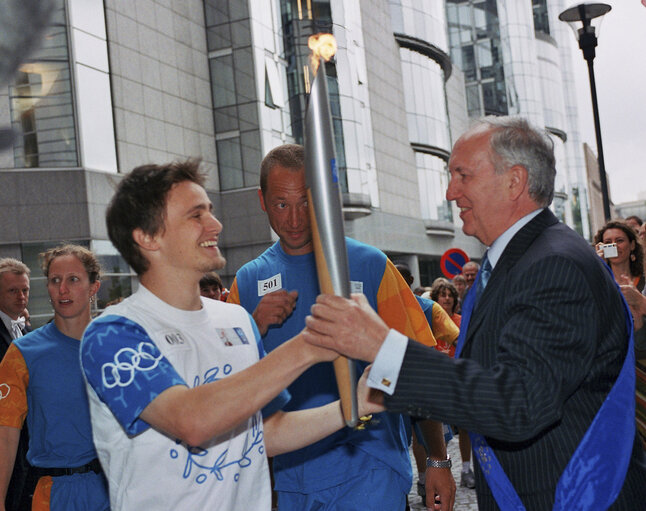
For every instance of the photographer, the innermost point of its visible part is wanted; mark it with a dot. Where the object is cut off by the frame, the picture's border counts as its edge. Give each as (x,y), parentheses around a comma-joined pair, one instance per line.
(626,259)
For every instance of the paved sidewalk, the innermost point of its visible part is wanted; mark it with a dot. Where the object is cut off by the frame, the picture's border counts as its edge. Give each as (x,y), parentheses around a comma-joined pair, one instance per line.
(465,499)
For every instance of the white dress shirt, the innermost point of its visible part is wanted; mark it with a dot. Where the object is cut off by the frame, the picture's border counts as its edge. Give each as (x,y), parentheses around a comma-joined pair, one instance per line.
(13,326)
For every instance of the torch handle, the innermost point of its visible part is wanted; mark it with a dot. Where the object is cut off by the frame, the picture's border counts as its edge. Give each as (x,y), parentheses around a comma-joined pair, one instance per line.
(345,385)
(343,366)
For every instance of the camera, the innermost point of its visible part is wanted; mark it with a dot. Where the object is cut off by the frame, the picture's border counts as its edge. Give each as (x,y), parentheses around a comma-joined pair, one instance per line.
(609,250)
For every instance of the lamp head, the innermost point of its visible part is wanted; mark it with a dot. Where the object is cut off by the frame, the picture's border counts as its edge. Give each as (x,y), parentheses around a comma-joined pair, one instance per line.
(585,20)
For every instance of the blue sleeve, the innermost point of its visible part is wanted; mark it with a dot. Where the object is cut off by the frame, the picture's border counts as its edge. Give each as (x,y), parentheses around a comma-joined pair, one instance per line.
(427,308)
(281,399)
(125,368)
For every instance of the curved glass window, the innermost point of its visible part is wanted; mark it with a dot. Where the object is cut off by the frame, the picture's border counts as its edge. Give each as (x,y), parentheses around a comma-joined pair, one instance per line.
(41,101)
(433,178)
(301,19)
(474,39)
(235,102)
(541,19)
(423,19)
(428,121)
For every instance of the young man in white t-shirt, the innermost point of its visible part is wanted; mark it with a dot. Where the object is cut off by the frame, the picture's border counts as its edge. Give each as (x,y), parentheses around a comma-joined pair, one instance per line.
(178,384)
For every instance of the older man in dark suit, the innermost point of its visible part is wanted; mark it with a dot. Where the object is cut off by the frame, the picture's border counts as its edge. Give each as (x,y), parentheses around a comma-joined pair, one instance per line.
(546,374)
(14,295)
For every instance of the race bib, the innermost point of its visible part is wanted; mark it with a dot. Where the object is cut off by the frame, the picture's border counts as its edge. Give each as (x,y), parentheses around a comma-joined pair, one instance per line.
(269,285)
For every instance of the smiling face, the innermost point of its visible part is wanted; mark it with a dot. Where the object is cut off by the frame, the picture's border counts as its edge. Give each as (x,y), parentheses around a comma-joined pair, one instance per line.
(480,193)
(624,245)
(285,202)
(69,287)
(189,238)
(470,270)
(14,293)
(446,301)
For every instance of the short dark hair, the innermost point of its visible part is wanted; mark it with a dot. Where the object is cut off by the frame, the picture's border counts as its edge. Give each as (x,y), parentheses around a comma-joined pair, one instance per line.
(635,218)
(290,156)
(211,279)
(140,203)
(405,273)
(439,285)
(636,266)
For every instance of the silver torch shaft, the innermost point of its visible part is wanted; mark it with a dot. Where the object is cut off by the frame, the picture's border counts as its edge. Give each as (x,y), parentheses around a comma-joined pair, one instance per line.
(326,214)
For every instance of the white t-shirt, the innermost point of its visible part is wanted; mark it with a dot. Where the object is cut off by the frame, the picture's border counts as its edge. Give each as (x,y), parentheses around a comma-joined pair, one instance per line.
(133,352)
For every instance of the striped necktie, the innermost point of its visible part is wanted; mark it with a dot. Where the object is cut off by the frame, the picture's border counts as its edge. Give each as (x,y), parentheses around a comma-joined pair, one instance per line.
(485,273)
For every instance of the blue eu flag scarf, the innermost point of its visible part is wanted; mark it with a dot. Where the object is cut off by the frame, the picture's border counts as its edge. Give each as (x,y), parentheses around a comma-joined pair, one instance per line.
(595,474)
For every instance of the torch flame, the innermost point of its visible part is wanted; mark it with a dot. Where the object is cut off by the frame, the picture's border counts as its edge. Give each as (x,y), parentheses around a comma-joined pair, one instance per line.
(323,46)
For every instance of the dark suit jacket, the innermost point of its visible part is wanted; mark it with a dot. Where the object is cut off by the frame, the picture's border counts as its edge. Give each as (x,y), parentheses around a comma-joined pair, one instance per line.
(544,345)
(5,340)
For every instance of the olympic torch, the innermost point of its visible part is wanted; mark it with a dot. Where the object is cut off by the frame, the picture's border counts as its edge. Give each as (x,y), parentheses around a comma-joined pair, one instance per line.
(326,214)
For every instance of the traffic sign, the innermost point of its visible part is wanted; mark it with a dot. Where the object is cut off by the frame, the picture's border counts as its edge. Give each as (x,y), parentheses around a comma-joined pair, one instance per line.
(452,261)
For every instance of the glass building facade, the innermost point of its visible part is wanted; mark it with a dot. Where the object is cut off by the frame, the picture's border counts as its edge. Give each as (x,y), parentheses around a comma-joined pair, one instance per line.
(420,30)
(233,82)
(541,18)
(300,20)
(474,39)
(224,80)
(43,105)
(515,60)
(41,100)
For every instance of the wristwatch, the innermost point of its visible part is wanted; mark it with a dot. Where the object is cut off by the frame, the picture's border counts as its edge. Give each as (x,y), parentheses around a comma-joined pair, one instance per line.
(447,463)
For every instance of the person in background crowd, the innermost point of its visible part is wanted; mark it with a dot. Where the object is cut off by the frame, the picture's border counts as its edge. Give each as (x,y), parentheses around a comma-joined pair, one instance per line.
(470,270)
(14,297)
(628,265)
(444,330)
(637,303)
(460,284)
(628,270)
(444,293)
(45,387)
(420,290)
(211,286)
(14,323)
(446,334)
(634,221)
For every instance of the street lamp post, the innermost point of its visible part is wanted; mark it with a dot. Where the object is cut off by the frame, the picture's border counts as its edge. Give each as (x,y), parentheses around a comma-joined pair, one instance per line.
(585,33)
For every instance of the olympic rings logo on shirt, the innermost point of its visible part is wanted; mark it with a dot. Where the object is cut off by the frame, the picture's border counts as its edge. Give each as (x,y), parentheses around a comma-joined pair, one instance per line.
(127,361)
(4,393)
